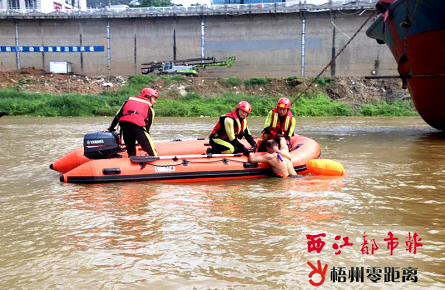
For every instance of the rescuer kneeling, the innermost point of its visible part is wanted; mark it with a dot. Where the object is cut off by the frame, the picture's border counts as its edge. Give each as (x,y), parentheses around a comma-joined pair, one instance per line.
(135,118)
(279,121)
(231,127)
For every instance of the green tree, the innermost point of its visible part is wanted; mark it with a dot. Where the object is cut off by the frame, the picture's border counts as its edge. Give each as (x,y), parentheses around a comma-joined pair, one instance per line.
(105,3)
(155,3)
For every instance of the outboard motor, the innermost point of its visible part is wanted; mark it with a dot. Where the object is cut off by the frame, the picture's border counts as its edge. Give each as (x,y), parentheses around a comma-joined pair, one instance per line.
(101,145)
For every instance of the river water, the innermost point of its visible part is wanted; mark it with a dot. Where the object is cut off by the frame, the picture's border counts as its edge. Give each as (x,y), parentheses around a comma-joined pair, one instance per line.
(248,234)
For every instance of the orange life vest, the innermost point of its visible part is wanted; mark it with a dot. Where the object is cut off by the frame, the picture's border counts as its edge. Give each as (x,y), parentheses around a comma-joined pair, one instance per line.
(136,110)
(279,128)
(219,131)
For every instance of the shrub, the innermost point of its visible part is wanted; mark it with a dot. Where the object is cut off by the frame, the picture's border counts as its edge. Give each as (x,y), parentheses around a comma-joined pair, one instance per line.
(177,78)
(320,105)
(396,108)
(192,104)
(322,82)
(256,81)
(292,81)
(231,82)
(174,78)
(141,81)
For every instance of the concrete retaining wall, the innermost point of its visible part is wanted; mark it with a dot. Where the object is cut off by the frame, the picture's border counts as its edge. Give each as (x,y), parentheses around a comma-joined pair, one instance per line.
(264,44)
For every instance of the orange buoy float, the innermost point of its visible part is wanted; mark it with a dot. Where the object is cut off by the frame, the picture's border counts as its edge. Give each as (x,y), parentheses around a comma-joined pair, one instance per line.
(325,167)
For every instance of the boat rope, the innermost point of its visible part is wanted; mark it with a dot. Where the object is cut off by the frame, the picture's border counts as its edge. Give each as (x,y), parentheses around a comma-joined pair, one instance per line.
(349,14)
(406,24)
(211,161)
(234,160)
(416,9)
(403,66)
(185,162)
(336,27)
(409,76)
(223,160)
(335,57)
(160,165)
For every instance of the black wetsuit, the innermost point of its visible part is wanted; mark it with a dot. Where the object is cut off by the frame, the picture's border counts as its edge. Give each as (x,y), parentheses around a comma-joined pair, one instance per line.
(133,133)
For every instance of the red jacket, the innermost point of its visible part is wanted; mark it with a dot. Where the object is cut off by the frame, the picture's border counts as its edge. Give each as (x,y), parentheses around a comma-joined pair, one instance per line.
(219,130)
(136,110)
(280,128)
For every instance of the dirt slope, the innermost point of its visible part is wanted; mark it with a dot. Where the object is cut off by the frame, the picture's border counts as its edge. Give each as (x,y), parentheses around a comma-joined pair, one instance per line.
(353,90)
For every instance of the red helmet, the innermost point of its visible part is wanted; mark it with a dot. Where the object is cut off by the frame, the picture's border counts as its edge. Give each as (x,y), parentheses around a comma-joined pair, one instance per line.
(284,103)
(245,106)
(149,92)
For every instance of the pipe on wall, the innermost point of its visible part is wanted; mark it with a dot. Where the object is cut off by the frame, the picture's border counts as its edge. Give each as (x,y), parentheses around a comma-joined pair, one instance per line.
(42,33)
(202,38)
(303,42)
(17,44)
(174,39)
(81,43)
(333,52)
(108,47)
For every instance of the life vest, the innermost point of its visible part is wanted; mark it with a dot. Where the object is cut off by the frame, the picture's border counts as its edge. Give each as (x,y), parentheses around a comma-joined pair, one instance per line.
(136,110)
(279,128)
(219,131)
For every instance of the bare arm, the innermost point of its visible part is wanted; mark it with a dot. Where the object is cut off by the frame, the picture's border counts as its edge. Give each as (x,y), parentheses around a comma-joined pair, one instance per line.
(258,159)
(283,146)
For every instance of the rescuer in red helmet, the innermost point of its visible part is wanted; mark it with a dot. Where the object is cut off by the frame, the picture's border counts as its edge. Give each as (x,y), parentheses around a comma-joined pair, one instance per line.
(279,122)
(230,128)
(135,118)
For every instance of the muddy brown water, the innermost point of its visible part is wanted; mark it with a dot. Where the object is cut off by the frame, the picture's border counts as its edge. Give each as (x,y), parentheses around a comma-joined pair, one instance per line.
(248,234)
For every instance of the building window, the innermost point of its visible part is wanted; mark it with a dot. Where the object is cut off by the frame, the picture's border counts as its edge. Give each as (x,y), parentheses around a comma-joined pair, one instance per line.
(30,4)
(14,4)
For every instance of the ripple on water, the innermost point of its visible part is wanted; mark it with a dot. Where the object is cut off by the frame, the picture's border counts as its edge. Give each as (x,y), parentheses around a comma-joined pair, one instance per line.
(247,234)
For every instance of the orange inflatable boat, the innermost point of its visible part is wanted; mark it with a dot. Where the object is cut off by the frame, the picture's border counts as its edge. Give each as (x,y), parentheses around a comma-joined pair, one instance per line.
(176,147)
(178,161)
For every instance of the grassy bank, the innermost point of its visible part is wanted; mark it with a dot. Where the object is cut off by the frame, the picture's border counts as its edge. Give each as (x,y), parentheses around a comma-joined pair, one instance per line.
(192,104)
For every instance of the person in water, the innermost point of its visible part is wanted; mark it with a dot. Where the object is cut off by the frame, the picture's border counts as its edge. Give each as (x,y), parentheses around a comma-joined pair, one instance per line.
(279,121)
(230,128)
(279,159)
(135,117)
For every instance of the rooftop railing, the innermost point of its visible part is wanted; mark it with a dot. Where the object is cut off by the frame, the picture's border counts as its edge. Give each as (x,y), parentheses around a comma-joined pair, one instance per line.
(281,7)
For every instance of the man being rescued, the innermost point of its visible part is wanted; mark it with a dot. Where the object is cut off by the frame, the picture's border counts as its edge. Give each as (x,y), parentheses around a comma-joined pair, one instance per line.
(279,160)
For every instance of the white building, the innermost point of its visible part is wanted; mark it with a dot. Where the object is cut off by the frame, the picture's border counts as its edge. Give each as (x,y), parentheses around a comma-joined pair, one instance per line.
(45,6)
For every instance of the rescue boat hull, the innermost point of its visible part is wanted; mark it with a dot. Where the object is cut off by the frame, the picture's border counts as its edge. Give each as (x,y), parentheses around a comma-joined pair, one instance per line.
(76,157)
(186,169)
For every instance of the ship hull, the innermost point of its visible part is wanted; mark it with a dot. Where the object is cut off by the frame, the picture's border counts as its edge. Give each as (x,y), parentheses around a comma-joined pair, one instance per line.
(425,52)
